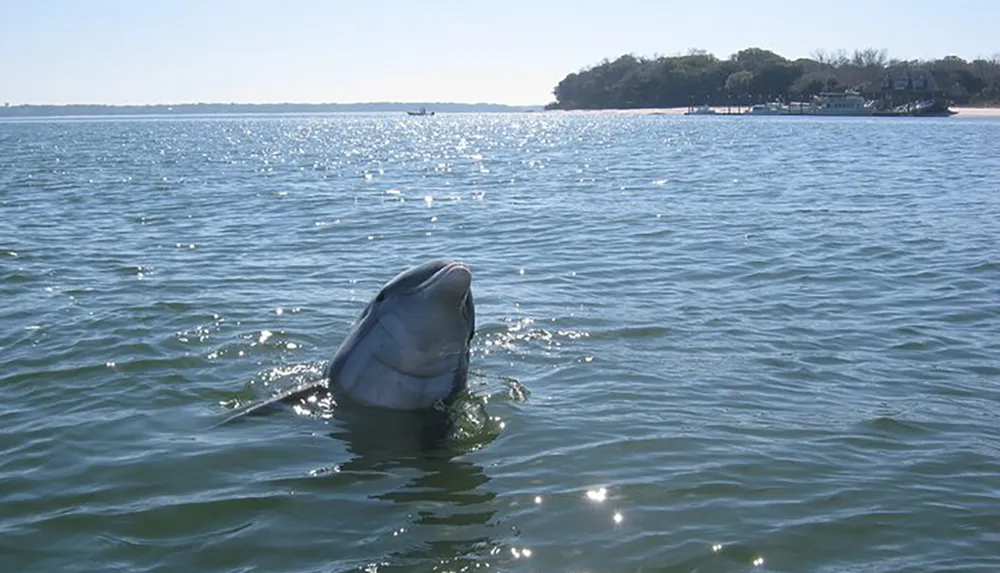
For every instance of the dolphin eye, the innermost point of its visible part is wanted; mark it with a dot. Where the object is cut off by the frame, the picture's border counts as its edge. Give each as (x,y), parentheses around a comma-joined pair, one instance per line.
(380,297)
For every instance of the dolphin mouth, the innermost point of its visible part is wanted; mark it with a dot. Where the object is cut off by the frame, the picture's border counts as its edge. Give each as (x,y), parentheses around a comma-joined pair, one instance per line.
(429,373)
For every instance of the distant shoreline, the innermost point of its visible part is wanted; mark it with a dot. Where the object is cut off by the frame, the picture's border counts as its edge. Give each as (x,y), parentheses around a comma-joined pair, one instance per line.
(100,110)
(959,111)
(72,111)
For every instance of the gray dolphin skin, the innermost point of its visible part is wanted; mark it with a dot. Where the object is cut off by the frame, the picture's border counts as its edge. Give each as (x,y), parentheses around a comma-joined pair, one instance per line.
(409,349)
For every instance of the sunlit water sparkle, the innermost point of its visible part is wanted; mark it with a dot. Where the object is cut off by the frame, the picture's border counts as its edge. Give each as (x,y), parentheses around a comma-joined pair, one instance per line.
(705,344)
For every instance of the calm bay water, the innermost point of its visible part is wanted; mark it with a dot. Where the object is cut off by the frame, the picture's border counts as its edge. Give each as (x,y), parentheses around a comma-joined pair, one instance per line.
(705,344)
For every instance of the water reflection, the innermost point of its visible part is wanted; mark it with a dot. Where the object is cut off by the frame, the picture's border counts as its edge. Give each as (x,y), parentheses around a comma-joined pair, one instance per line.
(450,511)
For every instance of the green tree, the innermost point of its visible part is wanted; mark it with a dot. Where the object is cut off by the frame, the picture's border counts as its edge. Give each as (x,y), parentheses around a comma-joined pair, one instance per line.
(738,85)
(755,59)
(812,83)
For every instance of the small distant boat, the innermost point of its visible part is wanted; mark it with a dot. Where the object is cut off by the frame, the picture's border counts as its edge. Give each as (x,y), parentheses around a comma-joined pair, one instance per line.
(772,108)
(423,111)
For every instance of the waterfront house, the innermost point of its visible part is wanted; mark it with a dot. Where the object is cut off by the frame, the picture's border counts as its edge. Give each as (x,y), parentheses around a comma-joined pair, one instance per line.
(902,85)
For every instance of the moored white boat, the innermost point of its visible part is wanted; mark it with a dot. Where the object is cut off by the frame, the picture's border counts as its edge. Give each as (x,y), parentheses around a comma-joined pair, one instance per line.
(847,103)
(841,103)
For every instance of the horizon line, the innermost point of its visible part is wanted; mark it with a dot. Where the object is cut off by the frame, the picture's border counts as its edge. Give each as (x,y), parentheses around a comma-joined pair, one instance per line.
(9,105)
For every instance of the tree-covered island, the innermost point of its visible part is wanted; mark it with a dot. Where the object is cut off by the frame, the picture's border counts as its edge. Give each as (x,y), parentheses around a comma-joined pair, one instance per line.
(756,75)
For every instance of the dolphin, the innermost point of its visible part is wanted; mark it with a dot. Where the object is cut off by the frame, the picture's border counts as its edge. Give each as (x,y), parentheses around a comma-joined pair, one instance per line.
(409,348)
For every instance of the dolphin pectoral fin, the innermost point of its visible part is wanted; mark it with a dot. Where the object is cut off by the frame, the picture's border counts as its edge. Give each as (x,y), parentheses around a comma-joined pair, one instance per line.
(294,393)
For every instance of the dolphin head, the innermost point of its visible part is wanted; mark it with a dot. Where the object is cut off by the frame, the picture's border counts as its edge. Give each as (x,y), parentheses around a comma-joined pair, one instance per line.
(410,347)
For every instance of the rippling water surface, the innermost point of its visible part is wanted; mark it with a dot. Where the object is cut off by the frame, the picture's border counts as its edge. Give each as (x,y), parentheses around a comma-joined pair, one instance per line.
(705,344)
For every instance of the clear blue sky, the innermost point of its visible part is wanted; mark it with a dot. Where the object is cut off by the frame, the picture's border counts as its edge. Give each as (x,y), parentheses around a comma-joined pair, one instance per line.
(503,51)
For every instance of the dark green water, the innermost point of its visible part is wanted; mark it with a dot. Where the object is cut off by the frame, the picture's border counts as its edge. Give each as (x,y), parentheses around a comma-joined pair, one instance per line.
(705,344)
